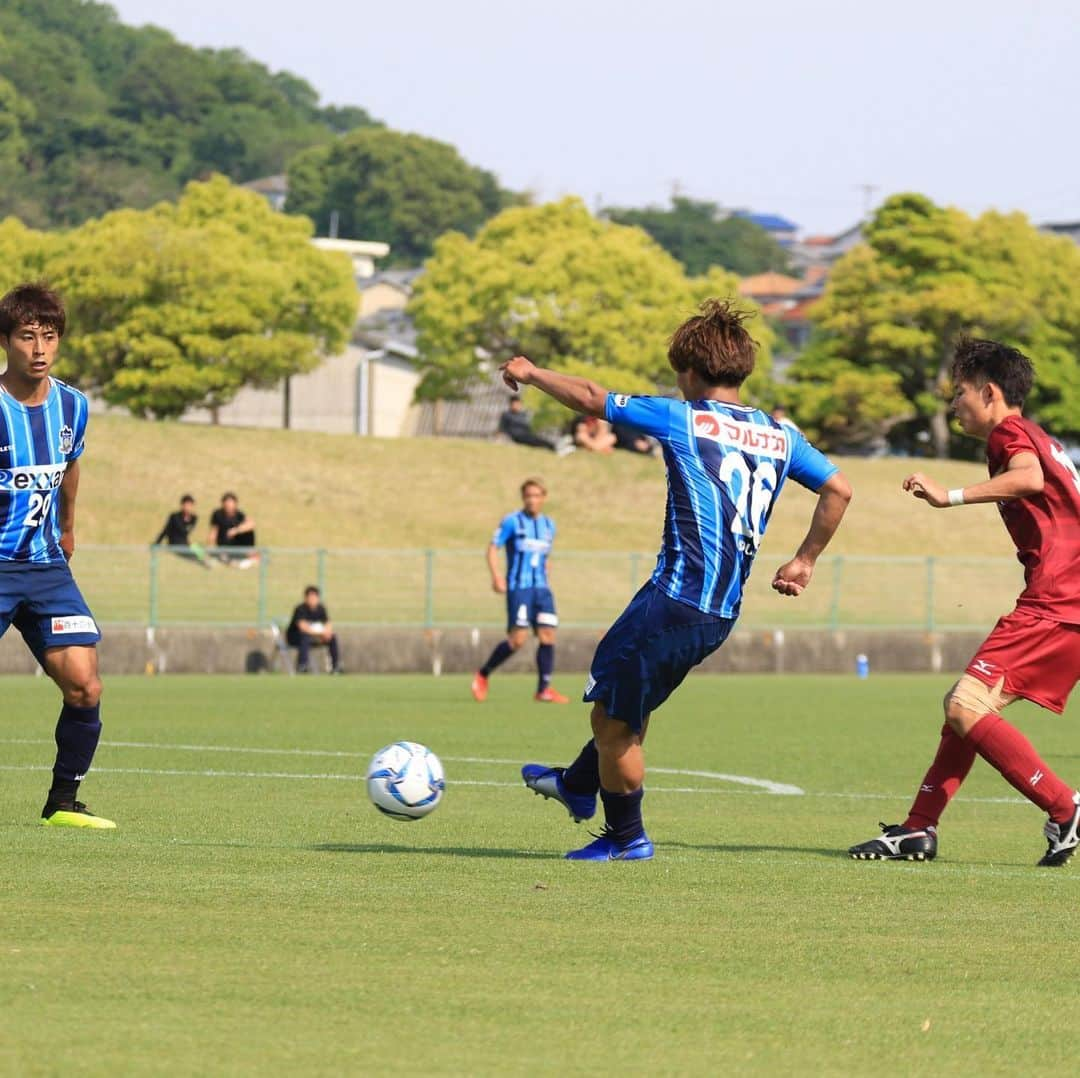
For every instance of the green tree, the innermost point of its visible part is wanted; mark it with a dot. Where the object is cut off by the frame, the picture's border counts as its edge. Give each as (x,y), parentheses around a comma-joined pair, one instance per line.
(184,304)
(405,190)
(582,295)
(131,114)
(928,274)
(696,234)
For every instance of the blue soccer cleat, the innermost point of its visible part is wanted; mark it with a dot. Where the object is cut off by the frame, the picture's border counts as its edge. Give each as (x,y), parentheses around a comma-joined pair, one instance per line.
(605,848)
(547,781)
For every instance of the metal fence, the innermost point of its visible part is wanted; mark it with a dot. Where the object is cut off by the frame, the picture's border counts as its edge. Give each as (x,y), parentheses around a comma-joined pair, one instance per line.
(156,586)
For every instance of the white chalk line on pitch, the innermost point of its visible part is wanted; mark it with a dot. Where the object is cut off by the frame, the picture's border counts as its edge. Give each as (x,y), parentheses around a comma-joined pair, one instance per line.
(767,785)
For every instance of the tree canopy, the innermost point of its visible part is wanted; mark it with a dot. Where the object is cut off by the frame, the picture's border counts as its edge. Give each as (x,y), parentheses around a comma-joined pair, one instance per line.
(898,303)
(403,189)
(184,304)
(699,237)
(96,115)
(581,295)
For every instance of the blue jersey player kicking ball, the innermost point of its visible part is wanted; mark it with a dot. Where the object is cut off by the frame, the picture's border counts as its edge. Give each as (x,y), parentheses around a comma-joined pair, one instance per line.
(42,427)
(527,536)
(726,464)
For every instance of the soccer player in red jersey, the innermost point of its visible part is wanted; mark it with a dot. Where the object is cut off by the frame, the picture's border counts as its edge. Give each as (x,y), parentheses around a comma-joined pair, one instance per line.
(1032,653)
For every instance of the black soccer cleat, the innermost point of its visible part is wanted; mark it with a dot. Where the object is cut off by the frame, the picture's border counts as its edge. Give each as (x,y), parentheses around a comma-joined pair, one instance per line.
(1062,838)
(898,843)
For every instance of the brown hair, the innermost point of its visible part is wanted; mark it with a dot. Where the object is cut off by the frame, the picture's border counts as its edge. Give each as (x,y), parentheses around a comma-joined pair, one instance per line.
(980,361)
(714,344)
(33,304)
(532,481)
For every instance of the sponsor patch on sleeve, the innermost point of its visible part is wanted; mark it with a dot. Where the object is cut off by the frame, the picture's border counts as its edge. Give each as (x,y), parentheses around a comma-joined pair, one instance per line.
(73,623)
(621,400)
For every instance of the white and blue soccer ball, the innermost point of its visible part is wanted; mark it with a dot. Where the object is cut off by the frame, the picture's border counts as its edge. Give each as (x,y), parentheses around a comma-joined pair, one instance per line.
(406,780)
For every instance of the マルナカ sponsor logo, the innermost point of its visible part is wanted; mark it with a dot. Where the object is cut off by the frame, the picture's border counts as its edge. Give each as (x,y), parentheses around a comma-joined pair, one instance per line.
(761,441)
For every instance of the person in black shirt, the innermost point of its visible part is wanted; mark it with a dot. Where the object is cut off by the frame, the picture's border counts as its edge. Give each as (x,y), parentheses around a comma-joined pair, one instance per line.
(514,423)
(310,627)
(231,527)
(177,530)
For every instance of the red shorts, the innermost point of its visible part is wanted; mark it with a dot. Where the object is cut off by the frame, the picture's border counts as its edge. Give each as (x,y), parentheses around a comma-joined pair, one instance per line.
(1039,659)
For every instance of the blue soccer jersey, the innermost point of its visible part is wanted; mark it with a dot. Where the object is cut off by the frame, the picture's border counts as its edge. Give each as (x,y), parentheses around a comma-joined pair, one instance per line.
(726,464)
(37,443)
(528,542)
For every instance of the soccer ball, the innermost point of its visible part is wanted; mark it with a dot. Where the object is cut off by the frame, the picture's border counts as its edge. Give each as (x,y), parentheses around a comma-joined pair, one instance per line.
(405,780)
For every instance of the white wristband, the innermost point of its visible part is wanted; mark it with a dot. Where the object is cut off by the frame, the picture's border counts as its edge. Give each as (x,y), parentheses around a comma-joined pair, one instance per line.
(956,497)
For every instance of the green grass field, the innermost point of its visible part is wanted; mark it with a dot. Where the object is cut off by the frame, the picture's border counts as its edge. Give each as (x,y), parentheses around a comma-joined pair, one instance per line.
(253,914)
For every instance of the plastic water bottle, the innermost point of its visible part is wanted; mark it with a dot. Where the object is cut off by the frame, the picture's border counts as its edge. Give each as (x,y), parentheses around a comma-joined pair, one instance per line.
(862,665)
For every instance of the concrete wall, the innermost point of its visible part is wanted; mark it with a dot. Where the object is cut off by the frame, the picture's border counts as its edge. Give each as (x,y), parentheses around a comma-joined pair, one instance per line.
(387,650)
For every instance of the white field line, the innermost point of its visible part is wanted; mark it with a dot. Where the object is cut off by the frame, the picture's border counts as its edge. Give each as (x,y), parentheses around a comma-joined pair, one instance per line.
(758,785)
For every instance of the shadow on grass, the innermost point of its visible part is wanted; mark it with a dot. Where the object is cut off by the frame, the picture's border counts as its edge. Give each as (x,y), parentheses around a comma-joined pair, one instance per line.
(832,853)
(446,851)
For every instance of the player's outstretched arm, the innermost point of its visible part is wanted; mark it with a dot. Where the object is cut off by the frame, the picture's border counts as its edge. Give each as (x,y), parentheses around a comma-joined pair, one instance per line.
(1020,478)
(69,490)
(580,394)
(833,498)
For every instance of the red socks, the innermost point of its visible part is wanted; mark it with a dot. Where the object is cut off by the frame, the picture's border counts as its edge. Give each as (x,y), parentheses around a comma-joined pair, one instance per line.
(953,761)
(1003,746)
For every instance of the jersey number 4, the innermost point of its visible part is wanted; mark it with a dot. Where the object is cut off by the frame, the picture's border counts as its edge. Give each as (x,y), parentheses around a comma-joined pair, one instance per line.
(753,491)
(39,510)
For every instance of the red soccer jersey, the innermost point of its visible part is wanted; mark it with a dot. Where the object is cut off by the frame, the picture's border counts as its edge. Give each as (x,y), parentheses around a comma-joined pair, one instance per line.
(1045,527)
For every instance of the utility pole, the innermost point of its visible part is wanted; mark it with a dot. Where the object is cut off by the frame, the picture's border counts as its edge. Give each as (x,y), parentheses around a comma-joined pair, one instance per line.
(868,190)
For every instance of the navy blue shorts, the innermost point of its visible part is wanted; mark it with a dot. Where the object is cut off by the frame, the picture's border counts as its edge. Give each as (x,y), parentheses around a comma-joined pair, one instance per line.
(44,603)
(533,607)
(645,655)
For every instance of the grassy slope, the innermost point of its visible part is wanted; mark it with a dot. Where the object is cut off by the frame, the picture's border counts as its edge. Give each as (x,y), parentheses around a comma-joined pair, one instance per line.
(241,923)
(335,491)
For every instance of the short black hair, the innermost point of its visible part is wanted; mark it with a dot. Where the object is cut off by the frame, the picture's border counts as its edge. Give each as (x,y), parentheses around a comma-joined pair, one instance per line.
(229,494)
(979,361)
(311,589)
(32,304)
(186,498)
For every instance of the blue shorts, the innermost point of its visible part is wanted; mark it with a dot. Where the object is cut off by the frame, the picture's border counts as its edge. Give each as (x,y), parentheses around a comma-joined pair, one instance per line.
(44,603)
(645,655)
(527,607)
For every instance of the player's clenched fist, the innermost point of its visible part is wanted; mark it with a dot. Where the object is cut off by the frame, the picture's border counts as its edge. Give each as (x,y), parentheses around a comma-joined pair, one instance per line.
(922,486)
(792,577)
(517,372)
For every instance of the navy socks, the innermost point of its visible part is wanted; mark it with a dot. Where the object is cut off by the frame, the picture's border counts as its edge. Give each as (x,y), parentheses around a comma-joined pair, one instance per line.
(501,653)
(77,733)
(545,665)
(622,813)
(583,775)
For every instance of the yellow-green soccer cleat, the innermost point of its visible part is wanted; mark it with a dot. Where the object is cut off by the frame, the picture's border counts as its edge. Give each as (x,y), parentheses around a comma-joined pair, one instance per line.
(73,814)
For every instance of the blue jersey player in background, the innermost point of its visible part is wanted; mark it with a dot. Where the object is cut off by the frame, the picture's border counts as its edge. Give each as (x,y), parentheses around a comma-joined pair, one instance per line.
(726,465)
(527,536)
(42,431)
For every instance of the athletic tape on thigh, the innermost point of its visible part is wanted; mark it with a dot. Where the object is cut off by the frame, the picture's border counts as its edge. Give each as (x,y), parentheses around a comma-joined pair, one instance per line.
(971,693)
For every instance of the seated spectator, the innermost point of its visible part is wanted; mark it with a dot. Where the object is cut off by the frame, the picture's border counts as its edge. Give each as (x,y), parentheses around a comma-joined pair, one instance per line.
(231,527)
(176,532)
(310,627)
(593,434)
(515,424)
(632,440)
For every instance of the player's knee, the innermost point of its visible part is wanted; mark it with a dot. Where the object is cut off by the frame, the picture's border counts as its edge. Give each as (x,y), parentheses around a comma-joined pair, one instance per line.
(86,692)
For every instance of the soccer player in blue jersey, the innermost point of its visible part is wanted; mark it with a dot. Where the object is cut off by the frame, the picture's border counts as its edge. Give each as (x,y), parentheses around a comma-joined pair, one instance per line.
(726,464)
(527,536)
(42,432)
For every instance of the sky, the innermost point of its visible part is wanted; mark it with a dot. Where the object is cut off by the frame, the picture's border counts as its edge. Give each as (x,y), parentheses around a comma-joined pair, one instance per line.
(787,107)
